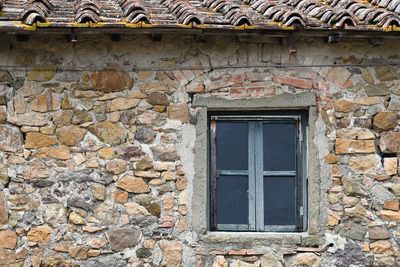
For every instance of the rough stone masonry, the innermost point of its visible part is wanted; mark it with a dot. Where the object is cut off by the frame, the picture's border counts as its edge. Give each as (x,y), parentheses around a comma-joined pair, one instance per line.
(97,143)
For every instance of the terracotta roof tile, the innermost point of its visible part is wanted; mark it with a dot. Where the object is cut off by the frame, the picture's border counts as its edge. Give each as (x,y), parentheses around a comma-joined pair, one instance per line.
(204,14)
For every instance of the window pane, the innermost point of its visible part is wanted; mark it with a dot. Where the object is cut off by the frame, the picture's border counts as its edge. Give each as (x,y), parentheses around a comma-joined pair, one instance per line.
(279,146)
(279,201)
(232,145)
(232,200)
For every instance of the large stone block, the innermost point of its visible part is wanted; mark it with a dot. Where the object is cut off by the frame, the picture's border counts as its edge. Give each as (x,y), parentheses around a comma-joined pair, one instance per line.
(122,104)
(158,98)
(390,142)
(348,146)
(124,238)
(343,105)
(37,140)
(111,81)
(10,138)
(41,75)
(179,112)
(109,132)
(385,120)
(8,239)
(3,209)
(133,184)
(29,119)
(70,135)
(40,234)
(172,251)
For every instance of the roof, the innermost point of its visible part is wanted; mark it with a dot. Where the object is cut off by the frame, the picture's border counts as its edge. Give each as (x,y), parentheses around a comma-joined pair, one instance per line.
(364,15)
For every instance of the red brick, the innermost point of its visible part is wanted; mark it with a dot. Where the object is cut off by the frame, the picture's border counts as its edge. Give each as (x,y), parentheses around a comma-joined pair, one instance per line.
(238,91)
(235,78)
(296,82)
(167,222)
(195,88)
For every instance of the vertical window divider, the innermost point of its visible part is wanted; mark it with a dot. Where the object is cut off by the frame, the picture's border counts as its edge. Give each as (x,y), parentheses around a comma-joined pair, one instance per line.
(259,176)
(214,173)
(252,176)
(299,185)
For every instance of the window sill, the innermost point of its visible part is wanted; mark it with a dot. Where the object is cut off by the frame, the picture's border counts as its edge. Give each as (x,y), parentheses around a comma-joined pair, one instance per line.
(255,238)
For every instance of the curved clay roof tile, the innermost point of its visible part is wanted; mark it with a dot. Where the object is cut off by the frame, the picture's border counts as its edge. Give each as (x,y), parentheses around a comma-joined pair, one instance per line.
(185,12)
(231,11)
(387,19)
(35,10)
(293,18)
(134,11)
(393,4)
(86,15)
(87,10)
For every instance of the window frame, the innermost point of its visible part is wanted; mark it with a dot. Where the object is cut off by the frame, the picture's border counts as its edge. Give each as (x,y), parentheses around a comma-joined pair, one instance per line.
(256,174)
(318,178)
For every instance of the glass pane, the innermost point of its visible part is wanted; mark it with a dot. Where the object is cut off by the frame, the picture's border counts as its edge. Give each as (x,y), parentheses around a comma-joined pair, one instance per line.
(232,145)
(279,201)
(232,200)
(279,146)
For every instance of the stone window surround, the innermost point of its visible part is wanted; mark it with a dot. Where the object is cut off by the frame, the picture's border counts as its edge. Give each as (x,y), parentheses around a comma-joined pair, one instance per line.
(301,101)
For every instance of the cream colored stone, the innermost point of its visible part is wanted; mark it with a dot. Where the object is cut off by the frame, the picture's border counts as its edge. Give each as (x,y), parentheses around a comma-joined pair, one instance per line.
(27,129)
(390,215)
(172,252)
(168,176)
(133,208)
(132,184)
(385,120)
(79,252)
(79,159)
(391,204)
(149,243)
(40,234)
(368,101)
(49,129)
(70,135)
(122,104)
(183,198)
(362,164)
(8,239)
(116,166)
(306,259)
(106,153)
(348,146)
(343,105)
(62,153)
(98,191)
(179,112)
(331,159)
(91,229)
(19,104)
(109,132)
(3,114)
(75,218)
(220,261)
(147,174)
(381,246)
(358,134)
(37,140)
(29,119)
(169,202)
(121,197)
(270,260)
(390,165)
(92,164)
(164,166)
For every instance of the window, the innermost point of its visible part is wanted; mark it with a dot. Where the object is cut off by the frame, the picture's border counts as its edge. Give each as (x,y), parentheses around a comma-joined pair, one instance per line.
(257,171)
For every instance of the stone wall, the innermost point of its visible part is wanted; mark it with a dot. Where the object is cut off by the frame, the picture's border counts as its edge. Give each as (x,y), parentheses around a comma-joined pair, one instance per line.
(97,146)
